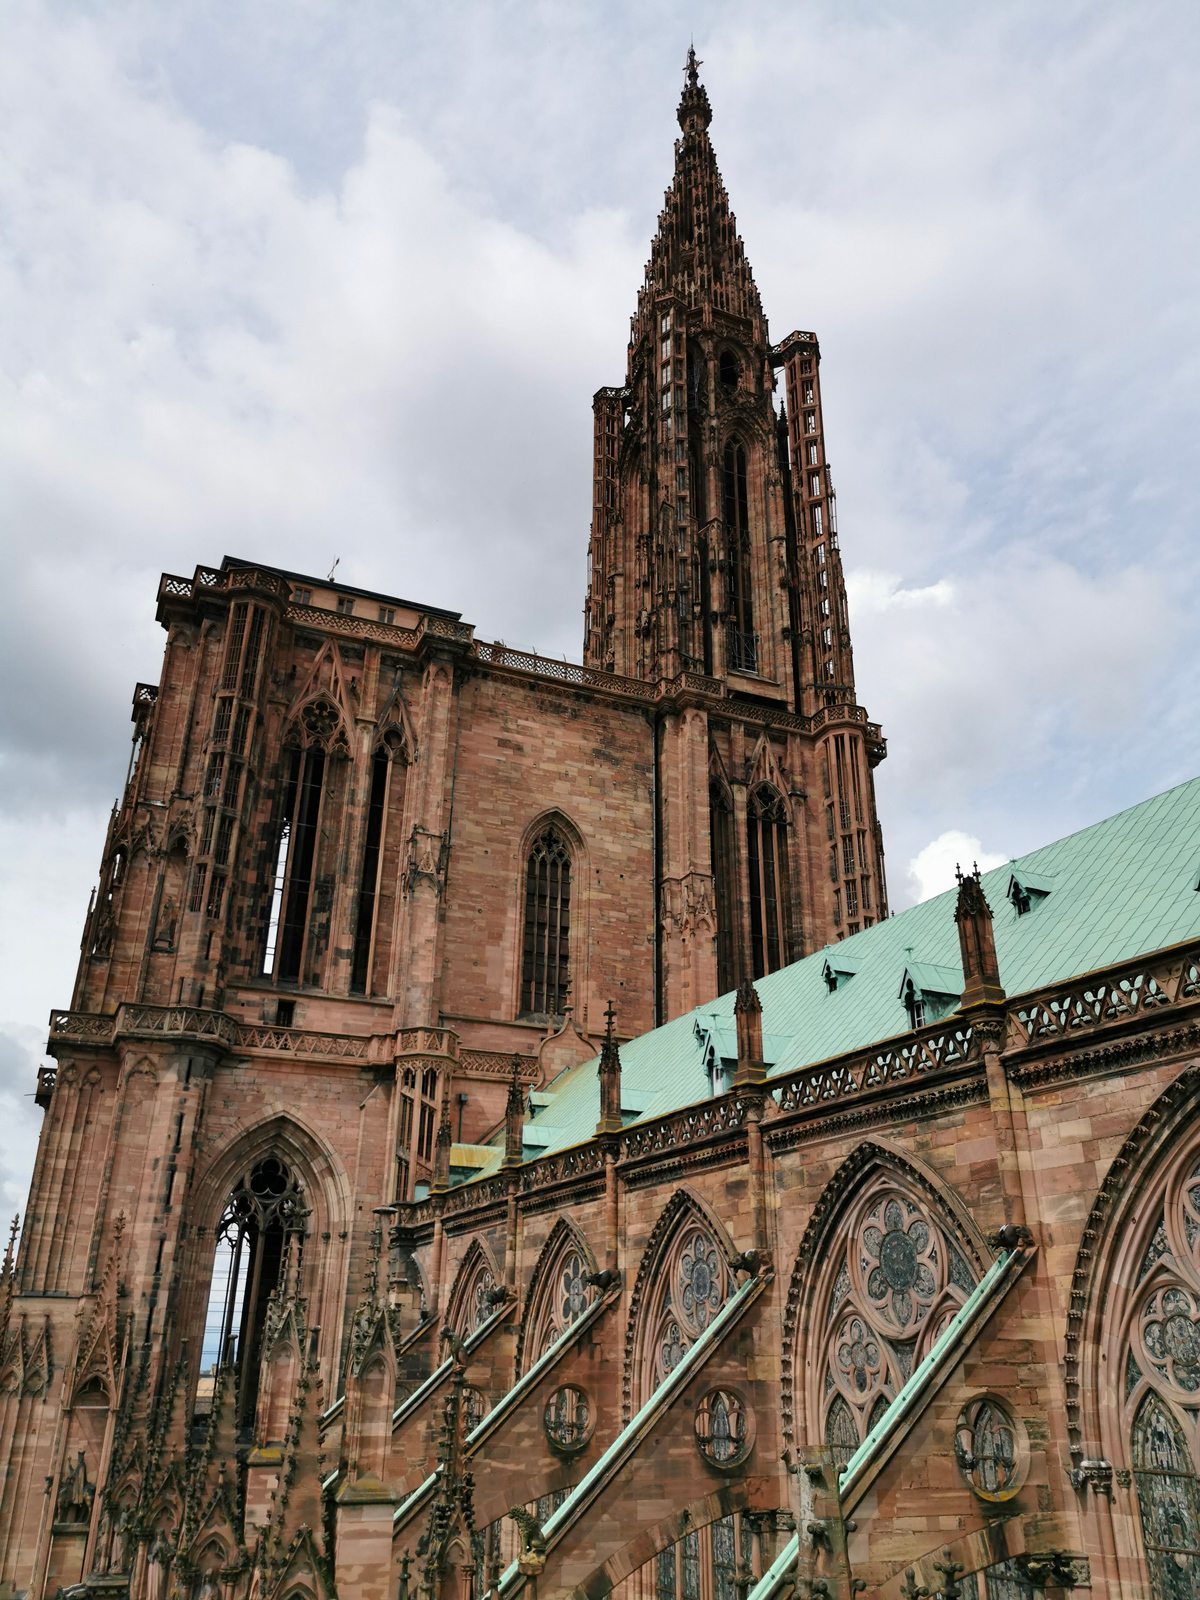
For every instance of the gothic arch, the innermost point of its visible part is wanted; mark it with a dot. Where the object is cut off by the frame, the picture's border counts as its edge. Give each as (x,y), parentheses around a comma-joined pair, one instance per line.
(831,1285)
(327,1194)
(684,1214)
(578,936)
(467,1307)
(552,1304)
(1134,1337)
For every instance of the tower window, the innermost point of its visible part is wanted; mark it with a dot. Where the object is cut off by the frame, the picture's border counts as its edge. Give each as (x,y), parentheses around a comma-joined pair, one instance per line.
(545,964)
(810,422)
(666,322)
(302,597)
(812,455)
(264,1208)
(365,922)
(302,810)
(729,369)
(739,584)
(345,605)
(387,614)
(720,822)
(767,854)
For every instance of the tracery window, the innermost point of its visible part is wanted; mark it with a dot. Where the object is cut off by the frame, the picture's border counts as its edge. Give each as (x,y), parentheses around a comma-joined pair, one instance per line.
(546,957)
(739,572)
(693,1284)
(1161,1369)
(770,891)
(706,1564)
(265,1206)
(470,1306)
(559,1295)
(382,844)
(895,1278)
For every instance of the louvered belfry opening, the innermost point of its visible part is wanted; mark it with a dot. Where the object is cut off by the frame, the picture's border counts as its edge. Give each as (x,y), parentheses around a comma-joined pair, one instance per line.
(545,966)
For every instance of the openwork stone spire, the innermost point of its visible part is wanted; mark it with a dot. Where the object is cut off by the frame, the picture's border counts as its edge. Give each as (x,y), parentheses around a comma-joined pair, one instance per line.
(697,254)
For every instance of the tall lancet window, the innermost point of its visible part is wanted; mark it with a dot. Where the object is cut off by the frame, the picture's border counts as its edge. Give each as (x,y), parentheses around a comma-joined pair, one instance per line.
(739,581)
(720,822)
(265,1205)
(546,958)
(770,899)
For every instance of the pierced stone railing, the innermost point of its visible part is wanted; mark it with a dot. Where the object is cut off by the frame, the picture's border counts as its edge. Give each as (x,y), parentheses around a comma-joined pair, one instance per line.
(929,1051)
(187,1020)
(354,627)
(1132,990)
(574,1163)
(298,1042)
(708,1120)
(499,655)
(427,1042)
(497,1064)
(85,1025)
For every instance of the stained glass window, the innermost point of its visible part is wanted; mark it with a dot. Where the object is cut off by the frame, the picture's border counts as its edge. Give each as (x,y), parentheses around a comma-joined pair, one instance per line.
(1167,1498)
(841,1431)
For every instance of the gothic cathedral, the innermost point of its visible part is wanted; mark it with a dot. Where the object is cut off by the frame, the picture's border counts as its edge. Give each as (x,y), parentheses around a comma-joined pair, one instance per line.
(499,1140)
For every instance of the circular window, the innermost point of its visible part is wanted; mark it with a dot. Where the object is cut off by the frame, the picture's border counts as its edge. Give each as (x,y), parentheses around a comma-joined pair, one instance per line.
(724,1429)
(729,369)
(990,1449)
(568,1420)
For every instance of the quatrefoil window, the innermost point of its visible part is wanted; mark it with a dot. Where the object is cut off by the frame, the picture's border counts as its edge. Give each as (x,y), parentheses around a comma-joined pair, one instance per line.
(1171,1338)
(858,1355)
(573,1297)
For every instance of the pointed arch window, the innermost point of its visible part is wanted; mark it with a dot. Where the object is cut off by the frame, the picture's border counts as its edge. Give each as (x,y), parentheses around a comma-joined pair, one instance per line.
(891,1283)
(739,577)
(691,1285)
(375,910)
(720,823)
(264,1208)
(770,889)
(295,853)
(1168,1500)
(546,953)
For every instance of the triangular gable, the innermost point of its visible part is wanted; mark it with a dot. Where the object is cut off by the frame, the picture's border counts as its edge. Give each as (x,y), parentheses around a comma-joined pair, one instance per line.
(763,766)
(323,712)
(394,722)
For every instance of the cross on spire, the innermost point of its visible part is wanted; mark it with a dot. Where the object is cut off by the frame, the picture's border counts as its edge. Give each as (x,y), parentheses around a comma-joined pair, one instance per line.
(692,68)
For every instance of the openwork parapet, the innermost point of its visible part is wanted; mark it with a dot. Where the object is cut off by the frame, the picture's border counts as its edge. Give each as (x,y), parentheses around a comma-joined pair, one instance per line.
(873,1069)
(1139,989)
(706,1121)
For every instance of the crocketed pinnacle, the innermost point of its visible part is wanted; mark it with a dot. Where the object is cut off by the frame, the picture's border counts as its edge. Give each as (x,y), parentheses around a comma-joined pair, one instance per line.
(697,255)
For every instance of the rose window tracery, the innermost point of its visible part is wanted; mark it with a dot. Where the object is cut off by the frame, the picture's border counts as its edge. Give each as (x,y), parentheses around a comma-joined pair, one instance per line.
(482,1307)
(1171,1338)
(690,1285)
(700,1281)
(900,1260)
(885,1291)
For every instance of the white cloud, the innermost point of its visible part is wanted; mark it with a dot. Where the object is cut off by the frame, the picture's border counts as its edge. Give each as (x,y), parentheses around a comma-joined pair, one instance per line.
(933,870)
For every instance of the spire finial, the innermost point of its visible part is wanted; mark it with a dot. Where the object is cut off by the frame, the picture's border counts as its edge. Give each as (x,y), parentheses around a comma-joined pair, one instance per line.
(694,112)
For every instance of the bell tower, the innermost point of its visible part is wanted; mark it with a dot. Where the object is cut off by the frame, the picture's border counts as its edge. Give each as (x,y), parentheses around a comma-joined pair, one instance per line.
(714,573)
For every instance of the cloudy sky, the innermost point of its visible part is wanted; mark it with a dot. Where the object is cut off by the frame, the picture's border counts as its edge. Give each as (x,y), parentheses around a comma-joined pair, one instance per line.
(313,280)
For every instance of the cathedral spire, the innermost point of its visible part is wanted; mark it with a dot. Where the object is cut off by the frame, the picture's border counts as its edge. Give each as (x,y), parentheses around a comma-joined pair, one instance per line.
(693,104)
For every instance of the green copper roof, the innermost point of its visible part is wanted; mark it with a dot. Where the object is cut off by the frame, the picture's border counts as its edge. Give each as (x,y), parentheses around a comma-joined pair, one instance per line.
(1122,888)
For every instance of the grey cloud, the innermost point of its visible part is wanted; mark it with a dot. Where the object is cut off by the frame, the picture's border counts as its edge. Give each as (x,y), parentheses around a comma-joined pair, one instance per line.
(304,282)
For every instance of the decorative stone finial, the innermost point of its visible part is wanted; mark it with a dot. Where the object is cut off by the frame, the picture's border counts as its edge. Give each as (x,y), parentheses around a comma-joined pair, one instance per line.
(610,1078)
(981,974)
